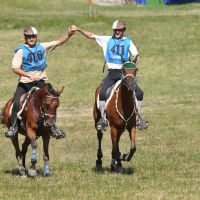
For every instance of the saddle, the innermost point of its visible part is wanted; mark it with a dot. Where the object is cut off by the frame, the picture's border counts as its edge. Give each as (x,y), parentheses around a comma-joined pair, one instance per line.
(23,101)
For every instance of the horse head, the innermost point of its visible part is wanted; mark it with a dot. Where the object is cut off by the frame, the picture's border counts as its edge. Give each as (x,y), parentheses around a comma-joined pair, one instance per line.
(129,73)
(49,104)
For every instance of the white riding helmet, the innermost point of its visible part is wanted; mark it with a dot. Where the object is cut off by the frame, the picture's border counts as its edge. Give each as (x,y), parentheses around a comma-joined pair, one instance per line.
(30,31)
(118,25)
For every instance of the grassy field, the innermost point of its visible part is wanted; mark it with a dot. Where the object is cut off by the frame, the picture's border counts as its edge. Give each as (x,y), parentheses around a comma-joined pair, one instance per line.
(167,162)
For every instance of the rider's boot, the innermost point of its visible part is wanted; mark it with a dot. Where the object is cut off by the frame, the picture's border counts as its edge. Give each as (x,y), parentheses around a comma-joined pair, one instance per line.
(103,122)
(12,131)
(141,123)
(57,133)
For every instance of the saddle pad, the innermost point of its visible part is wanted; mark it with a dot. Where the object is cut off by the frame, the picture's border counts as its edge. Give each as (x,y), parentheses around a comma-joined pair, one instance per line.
(23,101)
(111,94)
(33,89)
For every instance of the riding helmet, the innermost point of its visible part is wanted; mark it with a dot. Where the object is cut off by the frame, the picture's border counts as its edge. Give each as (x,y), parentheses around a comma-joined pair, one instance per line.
(30,31)
(118,25)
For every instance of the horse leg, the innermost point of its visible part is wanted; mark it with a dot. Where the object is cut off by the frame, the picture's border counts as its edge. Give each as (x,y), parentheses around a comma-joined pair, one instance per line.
(25,145)
(18,154)
(132,135)
(32,170)
(97,116)
(46,139)
(99,150)
(116,161)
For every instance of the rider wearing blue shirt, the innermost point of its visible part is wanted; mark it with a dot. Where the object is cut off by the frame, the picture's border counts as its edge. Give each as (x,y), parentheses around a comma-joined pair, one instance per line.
(33,58)
(29,62)
(117,50)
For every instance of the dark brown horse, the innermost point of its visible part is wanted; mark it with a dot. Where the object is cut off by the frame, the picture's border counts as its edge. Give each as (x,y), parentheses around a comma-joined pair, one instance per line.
(121,113)
(38,115)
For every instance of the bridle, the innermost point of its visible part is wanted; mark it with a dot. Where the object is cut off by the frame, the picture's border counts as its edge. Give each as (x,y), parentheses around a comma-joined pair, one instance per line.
(129,87)
(43,111)
(127,76)
(116,100)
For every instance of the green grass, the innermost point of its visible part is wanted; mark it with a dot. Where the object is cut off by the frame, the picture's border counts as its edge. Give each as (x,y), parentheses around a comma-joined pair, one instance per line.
(166,164)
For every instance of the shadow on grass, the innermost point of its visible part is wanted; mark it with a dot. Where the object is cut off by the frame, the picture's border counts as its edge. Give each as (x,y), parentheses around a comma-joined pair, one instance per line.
(102,170)
(15,172)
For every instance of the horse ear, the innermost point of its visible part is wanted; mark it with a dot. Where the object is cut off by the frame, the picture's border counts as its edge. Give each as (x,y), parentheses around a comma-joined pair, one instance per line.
(61,90)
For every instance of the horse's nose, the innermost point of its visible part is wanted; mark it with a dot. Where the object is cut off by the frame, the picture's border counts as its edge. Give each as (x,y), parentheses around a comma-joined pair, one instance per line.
(130,88)
(132,85)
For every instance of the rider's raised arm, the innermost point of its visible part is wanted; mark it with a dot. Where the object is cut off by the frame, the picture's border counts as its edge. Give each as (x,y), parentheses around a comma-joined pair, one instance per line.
(64,38)
(49,46)
(87,34)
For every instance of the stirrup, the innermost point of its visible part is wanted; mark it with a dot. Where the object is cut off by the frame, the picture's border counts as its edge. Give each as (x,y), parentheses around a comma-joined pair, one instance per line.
(58,134)
(102,124)
(12,131)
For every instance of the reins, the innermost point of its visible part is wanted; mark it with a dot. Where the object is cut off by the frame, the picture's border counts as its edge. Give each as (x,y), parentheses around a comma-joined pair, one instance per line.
(116,103)
(51,97)
(128,75)
(41,108)
(33,109)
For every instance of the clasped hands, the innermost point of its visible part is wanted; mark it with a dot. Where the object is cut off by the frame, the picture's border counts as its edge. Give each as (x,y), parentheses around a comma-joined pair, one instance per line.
(72,29)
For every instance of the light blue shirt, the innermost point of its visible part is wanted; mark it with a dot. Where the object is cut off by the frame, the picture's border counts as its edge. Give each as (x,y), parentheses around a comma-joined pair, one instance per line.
(33,59)
(117,50)
(103,41)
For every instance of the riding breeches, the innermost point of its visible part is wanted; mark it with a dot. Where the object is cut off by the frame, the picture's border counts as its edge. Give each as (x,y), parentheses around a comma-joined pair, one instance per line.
(112,77)
(22,88)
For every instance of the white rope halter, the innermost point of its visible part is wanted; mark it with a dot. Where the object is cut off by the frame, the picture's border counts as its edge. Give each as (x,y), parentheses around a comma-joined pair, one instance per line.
(116,102)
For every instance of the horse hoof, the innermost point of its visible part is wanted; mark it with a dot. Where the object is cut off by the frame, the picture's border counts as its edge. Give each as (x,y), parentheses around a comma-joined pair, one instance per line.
(124,157)
(32,172)
(99,165)
(22,171)
(115,167)
(46,174)
(119,169)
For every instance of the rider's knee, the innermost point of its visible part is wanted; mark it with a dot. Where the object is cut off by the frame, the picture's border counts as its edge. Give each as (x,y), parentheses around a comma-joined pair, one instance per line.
(102,96)
(16,105)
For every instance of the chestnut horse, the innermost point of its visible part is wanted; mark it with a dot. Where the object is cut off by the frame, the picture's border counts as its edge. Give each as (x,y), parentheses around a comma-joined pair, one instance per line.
(38,115)
(121,114)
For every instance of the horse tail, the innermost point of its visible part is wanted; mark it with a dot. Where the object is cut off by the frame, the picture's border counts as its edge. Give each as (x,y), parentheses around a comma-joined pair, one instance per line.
(5,112)
(96,113)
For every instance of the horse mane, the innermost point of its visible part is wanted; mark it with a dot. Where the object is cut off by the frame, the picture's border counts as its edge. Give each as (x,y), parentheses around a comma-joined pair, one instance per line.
(51,89)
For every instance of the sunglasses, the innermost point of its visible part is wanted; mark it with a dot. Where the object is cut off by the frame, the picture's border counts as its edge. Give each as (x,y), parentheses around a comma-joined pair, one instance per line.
(30,36)
(118,30)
